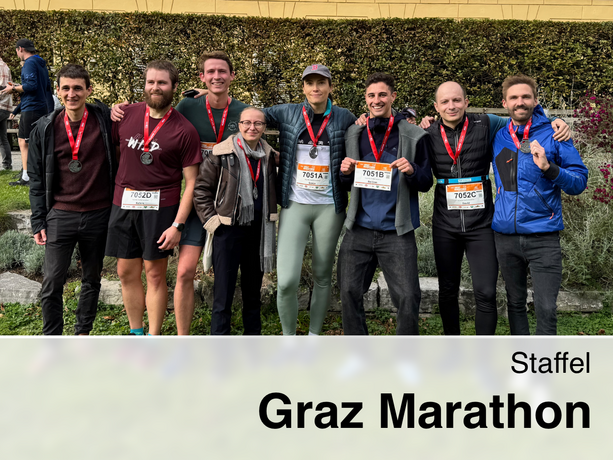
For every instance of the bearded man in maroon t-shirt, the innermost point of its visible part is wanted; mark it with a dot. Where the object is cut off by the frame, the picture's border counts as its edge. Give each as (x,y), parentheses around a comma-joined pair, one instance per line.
(157,147)
(71,163)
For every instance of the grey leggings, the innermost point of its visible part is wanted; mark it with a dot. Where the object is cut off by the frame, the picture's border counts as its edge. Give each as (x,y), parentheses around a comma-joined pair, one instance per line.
(296,222)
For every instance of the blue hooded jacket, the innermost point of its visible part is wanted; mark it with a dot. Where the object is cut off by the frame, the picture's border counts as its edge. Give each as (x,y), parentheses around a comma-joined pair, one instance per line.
(37,95)
(527,199)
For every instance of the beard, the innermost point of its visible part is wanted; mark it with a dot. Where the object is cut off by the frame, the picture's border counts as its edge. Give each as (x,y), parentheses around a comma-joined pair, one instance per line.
(159,104)
(522,119)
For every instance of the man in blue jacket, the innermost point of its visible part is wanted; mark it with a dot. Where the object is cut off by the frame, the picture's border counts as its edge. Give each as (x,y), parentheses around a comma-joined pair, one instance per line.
(531,169)
(36,97)
(386,166)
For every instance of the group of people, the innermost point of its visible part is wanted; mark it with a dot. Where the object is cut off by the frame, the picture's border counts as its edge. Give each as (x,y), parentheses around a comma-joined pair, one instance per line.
(94,180)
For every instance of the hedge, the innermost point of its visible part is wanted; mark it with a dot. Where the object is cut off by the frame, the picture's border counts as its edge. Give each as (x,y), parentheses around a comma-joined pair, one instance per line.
(567,58)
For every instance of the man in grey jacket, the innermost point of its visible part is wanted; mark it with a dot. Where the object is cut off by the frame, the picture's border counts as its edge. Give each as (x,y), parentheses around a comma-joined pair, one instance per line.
(386,166)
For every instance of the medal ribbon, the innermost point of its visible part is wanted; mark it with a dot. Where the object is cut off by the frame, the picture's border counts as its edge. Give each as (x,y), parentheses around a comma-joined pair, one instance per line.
(310,128)
(75,145)
(514,136)
(373,146)
(455,156)
(148,138)
(224,117)
(256,176)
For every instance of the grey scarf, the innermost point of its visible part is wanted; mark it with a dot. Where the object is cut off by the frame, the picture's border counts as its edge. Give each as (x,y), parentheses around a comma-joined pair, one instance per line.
(246,216)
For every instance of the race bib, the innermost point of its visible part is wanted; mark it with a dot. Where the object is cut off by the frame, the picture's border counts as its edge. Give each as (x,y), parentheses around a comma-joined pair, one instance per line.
(140,199)
(465,196)
(206,148)
(373,175)
(313,177)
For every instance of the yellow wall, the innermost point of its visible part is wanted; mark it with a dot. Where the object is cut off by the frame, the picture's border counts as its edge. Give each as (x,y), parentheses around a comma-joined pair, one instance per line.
(562,10)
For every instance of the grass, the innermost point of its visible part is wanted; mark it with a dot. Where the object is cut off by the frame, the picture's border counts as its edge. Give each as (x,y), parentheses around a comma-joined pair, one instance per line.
(18,319)
(11,198)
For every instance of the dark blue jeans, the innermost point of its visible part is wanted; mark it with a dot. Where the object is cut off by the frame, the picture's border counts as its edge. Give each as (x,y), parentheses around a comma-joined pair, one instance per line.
(64,230)
(361,250)
(541,253)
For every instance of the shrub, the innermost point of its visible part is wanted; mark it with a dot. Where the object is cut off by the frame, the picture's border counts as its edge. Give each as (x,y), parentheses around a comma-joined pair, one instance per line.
(34,260)
(14,246)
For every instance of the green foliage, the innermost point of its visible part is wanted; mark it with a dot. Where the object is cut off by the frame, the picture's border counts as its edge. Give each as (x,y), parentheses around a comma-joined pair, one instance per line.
(14,247)
(34,260)
(270,54)
(11,198)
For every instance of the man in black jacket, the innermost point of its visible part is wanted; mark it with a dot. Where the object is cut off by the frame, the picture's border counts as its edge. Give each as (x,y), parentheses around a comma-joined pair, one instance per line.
(71,165)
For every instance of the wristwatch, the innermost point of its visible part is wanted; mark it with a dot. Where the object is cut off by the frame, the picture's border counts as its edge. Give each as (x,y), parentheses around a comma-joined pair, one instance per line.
(178,226)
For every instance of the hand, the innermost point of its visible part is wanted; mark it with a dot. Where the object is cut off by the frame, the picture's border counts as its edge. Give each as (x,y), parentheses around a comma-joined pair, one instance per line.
(426,122)
(362,120)
(201,92)
(404,166)
(41,237)
(116,112)
(170,239)
(9,88)
(348,166)
(561,130)
(12,116)
(538,155)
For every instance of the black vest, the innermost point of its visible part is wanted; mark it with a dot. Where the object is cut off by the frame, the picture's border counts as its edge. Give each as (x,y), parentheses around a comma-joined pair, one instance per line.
(474,160)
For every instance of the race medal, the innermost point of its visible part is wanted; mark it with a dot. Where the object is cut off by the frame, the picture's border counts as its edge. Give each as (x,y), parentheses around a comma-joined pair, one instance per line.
(146,158)
(524,146)
(224,118)
(373,175)
(312,176)
(456,155)
(144,200)
(465,196)
(313,152)
(75,166)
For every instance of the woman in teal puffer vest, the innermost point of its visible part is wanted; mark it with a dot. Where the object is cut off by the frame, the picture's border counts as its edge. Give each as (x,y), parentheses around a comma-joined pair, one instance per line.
(312,138)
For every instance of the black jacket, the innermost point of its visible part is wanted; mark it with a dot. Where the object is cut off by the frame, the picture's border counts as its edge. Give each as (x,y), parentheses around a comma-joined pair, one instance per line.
(41,162)
(474,160)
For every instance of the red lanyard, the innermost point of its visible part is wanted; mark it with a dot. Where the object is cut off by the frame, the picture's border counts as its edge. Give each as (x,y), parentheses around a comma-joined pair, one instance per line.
(75,145)
(310,128)
(373,146)
(224,116)
(514,136)
(257,175)
(455,156)
(148,138)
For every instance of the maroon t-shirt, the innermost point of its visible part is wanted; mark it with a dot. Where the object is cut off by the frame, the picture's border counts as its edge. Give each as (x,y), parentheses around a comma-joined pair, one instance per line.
(87,190)
(175,146)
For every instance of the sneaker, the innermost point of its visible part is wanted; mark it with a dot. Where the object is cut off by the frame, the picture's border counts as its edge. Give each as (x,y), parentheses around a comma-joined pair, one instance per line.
(18,175)
(20,182)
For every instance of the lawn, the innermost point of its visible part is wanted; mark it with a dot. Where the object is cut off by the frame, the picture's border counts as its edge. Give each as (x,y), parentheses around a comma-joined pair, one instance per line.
(18,319)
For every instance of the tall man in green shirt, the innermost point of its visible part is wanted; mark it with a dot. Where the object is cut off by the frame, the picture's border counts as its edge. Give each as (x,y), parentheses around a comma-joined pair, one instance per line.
(216,118)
